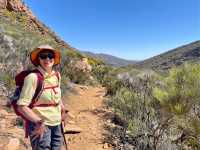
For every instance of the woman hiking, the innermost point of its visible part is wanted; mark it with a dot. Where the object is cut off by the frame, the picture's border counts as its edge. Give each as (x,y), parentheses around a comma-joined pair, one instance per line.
(44,127)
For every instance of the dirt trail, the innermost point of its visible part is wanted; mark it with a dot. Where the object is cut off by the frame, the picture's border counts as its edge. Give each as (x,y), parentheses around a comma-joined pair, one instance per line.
(86,106)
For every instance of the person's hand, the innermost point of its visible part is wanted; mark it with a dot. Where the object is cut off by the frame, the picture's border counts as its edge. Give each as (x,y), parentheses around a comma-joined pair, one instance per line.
(39,130)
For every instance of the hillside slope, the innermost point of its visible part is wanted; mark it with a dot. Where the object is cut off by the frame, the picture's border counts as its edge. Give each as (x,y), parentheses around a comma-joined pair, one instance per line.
(16,12)
(20,33)
(177,56)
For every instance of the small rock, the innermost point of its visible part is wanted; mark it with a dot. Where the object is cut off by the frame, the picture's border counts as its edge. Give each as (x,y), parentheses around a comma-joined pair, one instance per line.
(69,139)
(83,87)
(72,130)
(3,124)
(13,144)
(80,138)
(109,121)
(3,113)
(115,142)
(70,115)
(128,146)
(71,122)
(105,146)
(91,108)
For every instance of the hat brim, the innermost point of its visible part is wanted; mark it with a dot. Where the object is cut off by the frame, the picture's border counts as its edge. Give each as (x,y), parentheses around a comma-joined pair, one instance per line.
(34,55)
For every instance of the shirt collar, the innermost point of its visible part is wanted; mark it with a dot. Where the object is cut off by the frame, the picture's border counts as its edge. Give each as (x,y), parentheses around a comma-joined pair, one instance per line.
(44,73)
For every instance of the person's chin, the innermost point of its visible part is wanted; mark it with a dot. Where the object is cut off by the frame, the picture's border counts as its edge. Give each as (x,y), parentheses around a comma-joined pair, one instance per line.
(48,66)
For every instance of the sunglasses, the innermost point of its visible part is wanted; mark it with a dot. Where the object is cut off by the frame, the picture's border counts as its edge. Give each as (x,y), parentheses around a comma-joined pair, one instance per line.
(46,55)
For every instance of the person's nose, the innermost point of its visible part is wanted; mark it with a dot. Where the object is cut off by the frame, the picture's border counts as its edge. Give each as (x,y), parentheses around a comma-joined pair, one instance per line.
(48,58)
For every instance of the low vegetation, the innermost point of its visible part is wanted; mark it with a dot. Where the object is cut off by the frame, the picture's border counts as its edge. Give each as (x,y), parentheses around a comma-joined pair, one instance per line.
(159,112)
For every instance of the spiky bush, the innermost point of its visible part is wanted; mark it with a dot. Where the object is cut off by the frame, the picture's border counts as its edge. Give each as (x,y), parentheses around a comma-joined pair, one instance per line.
(179,96)
(100,71)
(125,104)
(161,111)
(133,102)
(8,81)
(181,89)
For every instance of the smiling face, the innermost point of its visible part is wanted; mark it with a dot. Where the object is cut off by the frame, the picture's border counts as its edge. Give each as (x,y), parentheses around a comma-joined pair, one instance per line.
(46,59)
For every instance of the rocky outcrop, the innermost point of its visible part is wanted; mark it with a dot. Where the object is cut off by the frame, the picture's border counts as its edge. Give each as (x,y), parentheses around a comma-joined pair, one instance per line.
(83,65)
(19,6)
(16,5)
(9,61)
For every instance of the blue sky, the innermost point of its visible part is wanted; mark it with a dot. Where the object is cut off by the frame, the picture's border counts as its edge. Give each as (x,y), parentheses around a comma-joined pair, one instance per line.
(130,29)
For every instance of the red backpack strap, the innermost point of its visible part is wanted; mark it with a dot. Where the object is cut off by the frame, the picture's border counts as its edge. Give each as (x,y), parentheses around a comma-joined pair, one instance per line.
(36,95)
(39,87)
(58,75)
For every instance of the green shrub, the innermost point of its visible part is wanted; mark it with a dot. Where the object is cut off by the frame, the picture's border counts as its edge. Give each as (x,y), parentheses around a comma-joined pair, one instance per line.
(181,89)
(178,94)
(64,81)
(100,72)
(125,103)
(112,85)
(8,80)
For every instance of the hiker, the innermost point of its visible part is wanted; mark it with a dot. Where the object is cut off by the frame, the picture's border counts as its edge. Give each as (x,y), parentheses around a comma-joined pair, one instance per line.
(44,127)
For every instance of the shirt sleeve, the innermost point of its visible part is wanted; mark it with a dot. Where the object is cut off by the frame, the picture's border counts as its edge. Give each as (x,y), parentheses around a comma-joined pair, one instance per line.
(28,89)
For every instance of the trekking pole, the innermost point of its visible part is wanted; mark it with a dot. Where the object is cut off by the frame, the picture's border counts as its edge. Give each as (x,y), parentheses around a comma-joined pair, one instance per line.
(63,132)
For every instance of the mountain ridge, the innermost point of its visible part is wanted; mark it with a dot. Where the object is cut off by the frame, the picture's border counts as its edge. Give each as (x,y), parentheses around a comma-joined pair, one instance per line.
(110,59)
(173,57)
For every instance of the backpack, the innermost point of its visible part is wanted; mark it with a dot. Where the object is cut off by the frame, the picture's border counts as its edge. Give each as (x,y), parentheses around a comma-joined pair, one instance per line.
(19,81)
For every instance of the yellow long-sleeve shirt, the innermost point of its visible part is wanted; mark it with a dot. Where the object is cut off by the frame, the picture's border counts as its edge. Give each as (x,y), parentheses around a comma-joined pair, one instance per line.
(51,114)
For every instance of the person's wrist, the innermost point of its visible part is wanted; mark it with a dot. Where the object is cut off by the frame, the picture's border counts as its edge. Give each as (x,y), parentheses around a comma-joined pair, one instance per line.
(40,122)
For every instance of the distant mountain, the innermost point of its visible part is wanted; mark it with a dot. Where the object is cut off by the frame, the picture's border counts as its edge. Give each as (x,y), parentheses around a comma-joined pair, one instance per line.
(109,59)
(174,57)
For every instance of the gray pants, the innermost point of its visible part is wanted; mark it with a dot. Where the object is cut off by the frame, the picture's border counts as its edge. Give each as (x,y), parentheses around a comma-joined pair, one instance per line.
(52,139)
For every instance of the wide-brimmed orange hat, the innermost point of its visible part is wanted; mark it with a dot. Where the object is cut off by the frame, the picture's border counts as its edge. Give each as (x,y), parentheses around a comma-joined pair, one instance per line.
(35,52)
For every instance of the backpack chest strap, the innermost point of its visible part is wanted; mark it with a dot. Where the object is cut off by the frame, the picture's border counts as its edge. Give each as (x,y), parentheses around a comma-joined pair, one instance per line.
(52,87)
(46,105)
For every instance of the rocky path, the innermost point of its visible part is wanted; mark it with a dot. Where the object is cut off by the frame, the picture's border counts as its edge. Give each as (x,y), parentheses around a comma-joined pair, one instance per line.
(87,109)
(11,135)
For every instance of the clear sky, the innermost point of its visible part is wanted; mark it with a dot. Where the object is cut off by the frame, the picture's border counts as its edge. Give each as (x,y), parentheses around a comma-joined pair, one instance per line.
(130,29)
